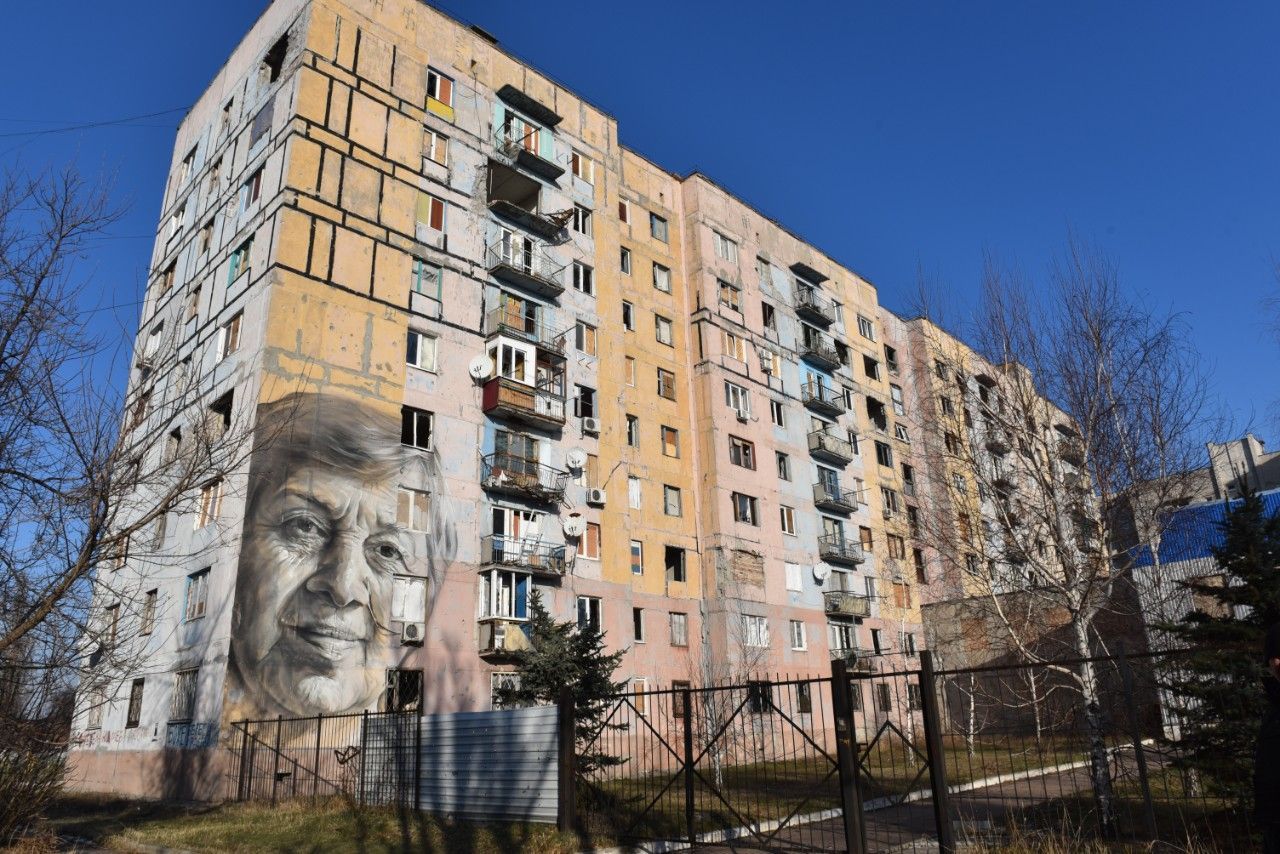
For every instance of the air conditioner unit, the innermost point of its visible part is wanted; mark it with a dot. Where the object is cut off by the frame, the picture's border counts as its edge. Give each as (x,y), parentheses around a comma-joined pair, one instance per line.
(413,633)
(888,514)
(743,415)
(591,426)
(595,496)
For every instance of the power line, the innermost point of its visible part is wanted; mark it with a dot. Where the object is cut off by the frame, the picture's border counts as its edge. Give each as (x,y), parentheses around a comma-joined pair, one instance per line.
(90,125)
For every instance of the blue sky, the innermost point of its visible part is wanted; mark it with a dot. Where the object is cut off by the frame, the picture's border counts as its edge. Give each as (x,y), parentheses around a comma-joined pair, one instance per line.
(896,137)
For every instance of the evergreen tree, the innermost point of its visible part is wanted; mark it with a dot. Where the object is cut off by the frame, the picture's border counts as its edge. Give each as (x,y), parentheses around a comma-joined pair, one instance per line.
(563,655)
(1217,687)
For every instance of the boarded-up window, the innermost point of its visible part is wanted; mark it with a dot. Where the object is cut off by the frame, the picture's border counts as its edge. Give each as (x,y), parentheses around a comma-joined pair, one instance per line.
(431,211)
(262,121)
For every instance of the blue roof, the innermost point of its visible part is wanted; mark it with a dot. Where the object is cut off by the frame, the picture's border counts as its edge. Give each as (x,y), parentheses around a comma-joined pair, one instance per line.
(1195,530)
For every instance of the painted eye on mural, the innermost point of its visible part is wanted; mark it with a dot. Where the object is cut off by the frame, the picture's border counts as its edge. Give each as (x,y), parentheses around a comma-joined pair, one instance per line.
(304,529)
(387,553)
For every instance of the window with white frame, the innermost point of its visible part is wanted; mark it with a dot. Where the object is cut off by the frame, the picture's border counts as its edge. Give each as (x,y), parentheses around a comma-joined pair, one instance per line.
(197,595)
(585,338)
(409,599)
(583,167)
(635,494)
(431,212)
(735,346)
(737,398)
(251,190)
(505,594)
(725,248)
(637,624)
(866,328)
(777,413)
(639,695)
(210,503)
(420,350)
(624,261)
(730,295)
(799,636)
(581,221)
(182,705)
(662,330)
(745,509)
(416,427)
(787,516)
(589,613)
(755,631)
(229,336)
(439,87)
(672,505)
(628,316)
(895,395)
(148,621)
(900,433)
(662,277)
(795,577)
(583,278)
(413,509)
(499,685)
(679,628)
(637,557)
(657,227)
(436,147)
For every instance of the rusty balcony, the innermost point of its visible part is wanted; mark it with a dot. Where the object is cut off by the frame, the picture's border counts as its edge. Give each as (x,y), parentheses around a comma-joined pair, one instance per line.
(821,351)
(515,475)
(859,660)
(830,447)
(523,150)
(535,330)
(822,398)
(835,499)
(526,263)
(814,307)
(836,549)
(845,604)
(507,398)
(536,557)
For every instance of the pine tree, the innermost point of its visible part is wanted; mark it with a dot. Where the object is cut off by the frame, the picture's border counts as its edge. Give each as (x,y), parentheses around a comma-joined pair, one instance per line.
(562,654)
(1218,685)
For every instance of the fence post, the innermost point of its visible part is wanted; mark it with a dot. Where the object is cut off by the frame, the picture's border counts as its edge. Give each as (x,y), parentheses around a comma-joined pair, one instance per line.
(846,758)
(244,764)
(567,720)
(364,755)
(315,769)
(1135,735)
(275,770)
(937,756)
(417,761)
(686,700)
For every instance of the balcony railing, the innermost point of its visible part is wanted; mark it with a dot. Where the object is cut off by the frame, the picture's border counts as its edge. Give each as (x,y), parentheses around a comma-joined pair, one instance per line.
(1071,451)
(505,321)
(810,305)
(508,398)
(534,556)
(821,351)
(537,221)
(846,604)
(829,497)
(829,446)
(516,475)
(528,266)
(821,398)
(523,151)
(836,549)
(860,660)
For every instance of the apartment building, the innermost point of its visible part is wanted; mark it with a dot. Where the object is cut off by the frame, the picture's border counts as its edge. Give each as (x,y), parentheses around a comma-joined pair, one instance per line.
(478,352)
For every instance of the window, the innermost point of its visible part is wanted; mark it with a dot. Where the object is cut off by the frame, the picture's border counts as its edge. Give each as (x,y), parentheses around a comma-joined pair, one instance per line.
(273,61)
(416,427)
(584,401)
(584,338)
(895,395)
(768,318)
(670,441)
(581,221)
(637,557)
(184,170)
(755,631)
(261,123)
(679,628)
(760,697)
(583,167)
(951,443)
(672,505)
(628,316)
(435,147)
(776,413)
(784,465)
(913,520)
(876,646)
(871,367)
(210,503)
(787,515)
(206,237)
(866,539)
(629,370)
(428,279)
(884,455)
(884,699)
(764,271)
(197,595)
(945,405)
(666,384)
(633,431)
(662,329)
(673,560)
(499,683)
(742,453)
(590,547)
(439,88)
(891,360)
(134,716)
(959,483)
(657,227)
(431,213)
(94,714)
(745,509)
(182,705)
(168,276)
(226,114)
(409,599)
(795,577)
(637,624)
(420,351)
(897,547)
(403,691)
(730,295)
(624,261)
(798,635)
(725,248)
(583,278)
(914,701)
(239,260)
(965,526)
(866,328)
(735,347)
(917,558)
(229,336)
(889,500)
(624,211)
(737,398)
(177,221)
(251,190)
(148,621)
(413,509)
(661,278)
(589,613)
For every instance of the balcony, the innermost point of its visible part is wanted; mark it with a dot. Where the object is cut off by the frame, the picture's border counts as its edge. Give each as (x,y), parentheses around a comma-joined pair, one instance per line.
(858,660)
(523,152)
(845,604)
(834,499)
(509,321)
(830,447)
(507,398)
(501,639)
(836,549)
(533,556)
(1071,451)
(526,265)
(821,398)
(515,475)
(821,351)
(516,198)
(815,308)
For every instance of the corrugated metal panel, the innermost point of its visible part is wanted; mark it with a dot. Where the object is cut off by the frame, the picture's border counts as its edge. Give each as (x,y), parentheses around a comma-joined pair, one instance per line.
(1193,532)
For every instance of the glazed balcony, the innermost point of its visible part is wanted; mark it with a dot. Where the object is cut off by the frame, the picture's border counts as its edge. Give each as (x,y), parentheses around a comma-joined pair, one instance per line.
(822,398)
(507,398)
(845,604)
(835,499)
(526,265)
(528,555)
(855,659)
(821,351)
(535,330)
(837,549)
(830,447)
(814,307)
(510,474)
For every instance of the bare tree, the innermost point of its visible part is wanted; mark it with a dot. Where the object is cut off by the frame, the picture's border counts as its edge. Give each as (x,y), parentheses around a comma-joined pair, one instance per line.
(1054,449)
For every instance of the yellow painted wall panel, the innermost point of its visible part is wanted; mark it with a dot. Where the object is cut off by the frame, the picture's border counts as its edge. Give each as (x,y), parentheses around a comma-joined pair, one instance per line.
(293,237)
(368,122)
(360,185)
(404,140)
(302,171)
(313,94)
(392,270)
(352,260)
(398,203)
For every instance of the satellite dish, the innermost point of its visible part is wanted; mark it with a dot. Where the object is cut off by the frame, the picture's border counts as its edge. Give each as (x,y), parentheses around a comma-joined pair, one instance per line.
(576,459)
(821,572)
(574,524)
(480,367)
